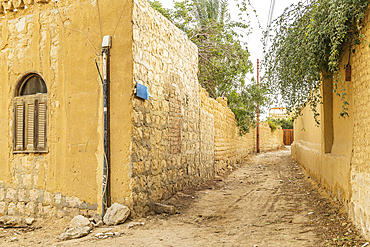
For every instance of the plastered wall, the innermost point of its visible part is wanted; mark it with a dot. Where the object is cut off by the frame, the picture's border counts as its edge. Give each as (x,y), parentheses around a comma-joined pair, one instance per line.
(344,170)
(325,149)
(67,179)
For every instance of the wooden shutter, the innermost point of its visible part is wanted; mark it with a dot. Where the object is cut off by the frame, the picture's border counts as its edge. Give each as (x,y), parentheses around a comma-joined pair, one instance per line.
(19,124)
(41,123)
(30,124)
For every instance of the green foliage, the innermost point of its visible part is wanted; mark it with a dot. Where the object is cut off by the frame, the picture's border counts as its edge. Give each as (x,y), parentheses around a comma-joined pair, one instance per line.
(272,124)
(159,7)
(284,123)
(244,105)
(223,57)
(309,40)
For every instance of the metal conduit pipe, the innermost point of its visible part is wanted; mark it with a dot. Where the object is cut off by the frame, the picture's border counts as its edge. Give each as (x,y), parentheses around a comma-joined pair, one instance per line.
(107,43)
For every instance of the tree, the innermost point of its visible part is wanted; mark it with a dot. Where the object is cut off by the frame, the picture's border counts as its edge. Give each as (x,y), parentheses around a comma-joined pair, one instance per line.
(309,39)
(223,57)
(284,123)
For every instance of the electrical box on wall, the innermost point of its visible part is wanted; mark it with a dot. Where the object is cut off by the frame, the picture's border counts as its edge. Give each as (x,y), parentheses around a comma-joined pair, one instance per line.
(107,41)
(142,91)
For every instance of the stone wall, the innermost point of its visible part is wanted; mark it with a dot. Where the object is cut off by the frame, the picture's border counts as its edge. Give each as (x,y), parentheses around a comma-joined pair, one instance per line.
(360,166)
(181,136)
(25,197)
(230,147)
(166,142)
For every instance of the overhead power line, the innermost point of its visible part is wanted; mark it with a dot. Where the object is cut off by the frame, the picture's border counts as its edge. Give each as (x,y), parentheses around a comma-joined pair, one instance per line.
(269,21)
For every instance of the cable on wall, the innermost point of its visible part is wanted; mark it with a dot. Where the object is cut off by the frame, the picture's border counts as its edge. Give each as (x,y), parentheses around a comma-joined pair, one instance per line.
(101,33)
(76,29)
(64,90)
(119,19)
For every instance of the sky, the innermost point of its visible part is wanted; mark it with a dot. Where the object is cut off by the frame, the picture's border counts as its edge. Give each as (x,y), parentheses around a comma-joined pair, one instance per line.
(253,41)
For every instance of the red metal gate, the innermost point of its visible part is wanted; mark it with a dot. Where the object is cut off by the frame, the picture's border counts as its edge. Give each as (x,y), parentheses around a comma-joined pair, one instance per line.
(288,136)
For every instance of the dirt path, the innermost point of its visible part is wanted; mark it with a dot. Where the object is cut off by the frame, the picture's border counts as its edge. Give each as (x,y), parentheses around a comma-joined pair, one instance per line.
(266,201)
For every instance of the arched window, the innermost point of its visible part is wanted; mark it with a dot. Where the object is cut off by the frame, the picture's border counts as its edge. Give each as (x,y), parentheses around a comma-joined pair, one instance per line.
(30,115)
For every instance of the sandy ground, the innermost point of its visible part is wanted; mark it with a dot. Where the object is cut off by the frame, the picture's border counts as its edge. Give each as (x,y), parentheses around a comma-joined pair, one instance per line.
(268,200)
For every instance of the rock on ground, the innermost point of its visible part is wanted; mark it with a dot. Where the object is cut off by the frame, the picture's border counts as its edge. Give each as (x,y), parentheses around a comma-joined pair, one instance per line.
(78,227)
(160,208)
(75,232)
(79,221)
(29,221)
(132,224)
(116,214)
(12,221)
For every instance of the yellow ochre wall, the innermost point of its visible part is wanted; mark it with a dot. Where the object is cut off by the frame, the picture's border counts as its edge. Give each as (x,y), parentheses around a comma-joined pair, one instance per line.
(67,179)
(331,166)
(344,172)
(179,138)
(360,166)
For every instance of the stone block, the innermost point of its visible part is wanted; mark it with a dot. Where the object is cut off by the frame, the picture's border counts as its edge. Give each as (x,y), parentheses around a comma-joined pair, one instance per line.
(2,194)
(2,208)
(12,221)
(148,119)
(73,201)
(34,195)
(30,208)
(58,198)
(10,194)
(146,133)
(8,5)
(48,210)
(18,4)
(61,213)
(73,212)
(79,221)
(138,134)
(21,209)
(12,208)
(74,233)
(138,167)
(21,195)
(27,180)
(47,198)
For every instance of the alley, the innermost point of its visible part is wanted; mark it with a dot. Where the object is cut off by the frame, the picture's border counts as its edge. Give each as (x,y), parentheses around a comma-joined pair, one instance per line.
(266,201)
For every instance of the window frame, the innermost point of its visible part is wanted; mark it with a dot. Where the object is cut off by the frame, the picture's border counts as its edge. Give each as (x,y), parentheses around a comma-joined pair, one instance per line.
(33,140)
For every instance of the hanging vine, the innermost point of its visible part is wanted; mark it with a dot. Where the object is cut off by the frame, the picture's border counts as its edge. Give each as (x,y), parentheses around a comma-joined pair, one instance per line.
(308,41)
